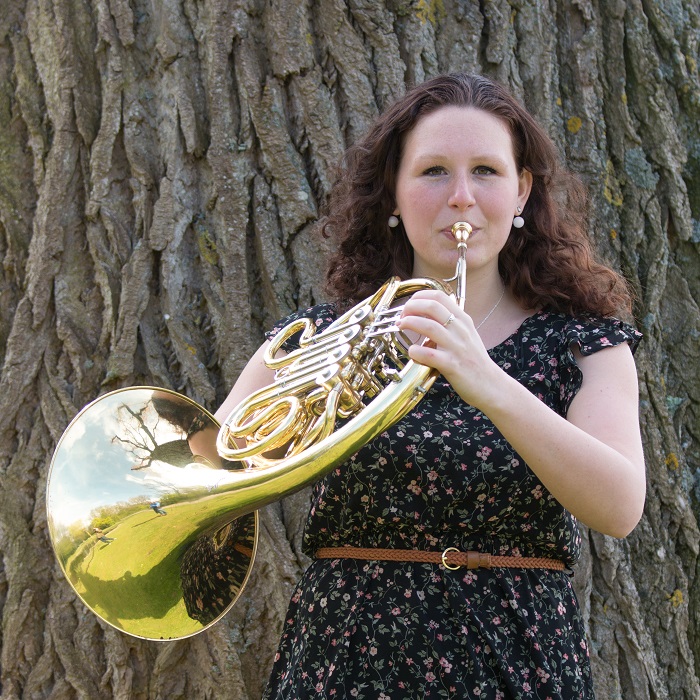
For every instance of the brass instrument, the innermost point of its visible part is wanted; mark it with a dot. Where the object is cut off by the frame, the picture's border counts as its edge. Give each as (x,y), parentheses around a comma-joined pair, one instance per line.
(152,507)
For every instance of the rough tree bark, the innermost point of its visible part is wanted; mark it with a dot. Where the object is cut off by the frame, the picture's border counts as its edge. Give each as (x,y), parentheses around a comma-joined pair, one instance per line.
(161,165)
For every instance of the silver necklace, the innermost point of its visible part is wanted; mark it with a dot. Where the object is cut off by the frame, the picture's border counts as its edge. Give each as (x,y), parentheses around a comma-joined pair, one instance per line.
(495,306)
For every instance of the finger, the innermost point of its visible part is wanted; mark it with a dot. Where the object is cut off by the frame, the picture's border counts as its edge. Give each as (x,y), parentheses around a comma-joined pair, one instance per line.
(440,332)
(435,309)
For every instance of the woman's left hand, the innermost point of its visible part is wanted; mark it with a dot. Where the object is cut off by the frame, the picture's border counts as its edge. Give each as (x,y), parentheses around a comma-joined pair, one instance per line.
(456,349)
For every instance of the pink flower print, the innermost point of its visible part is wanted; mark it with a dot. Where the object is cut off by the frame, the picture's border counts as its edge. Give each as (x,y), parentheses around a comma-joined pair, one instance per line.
(430,676)
(484,452)
(445,664)
(604,341)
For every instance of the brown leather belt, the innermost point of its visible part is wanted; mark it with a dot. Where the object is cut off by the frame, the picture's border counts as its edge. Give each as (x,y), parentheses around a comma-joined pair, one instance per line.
(451,558)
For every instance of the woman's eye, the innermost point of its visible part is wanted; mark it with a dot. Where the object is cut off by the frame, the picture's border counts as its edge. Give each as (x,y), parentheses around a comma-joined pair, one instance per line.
(434,170)
(484,170)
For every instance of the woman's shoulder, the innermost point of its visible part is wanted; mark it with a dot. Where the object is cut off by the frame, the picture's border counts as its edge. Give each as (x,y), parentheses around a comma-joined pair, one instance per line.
(588,332)
(548,348)
(321,315)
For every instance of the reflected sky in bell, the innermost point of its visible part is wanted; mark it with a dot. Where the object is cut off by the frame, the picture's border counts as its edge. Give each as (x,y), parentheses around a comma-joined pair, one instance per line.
(91,468)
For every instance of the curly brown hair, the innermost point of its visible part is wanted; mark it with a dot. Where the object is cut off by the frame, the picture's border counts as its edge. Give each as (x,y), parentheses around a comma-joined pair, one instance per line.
(549,263)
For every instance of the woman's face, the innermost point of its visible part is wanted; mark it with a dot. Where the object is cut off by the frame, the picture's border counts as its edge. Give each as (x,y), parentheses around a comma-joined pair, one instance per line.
(458,165)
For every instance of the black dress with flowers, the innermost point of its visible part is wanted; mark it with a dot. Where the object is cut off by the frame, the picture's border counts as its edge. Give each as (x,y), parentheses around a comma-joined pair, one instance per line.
(445,477)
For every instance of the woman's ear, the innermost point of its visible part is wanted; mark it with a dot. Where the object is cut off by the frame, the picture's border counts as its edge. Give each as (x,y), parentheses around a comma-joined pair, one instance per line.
(524,187)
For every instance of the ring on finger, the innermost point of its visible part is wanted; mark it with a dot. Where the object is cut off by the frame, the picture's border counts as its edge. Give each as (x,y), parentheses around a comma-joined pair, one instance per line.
(449,320)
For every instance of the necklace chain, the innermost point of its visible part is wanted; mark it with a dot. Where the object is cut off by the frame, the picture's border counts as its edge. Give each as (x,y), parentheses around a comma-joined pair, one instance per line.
(495,306)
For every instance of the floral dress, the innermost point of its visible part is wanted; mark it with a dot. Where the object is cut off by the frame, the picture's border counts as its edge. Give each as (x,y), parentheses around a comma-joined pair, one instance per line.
(443,477)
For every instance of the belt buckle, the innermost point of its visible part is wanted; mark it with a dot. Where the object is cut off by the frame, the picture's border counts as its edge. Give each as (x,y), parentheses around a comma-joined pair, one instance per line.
(444,560)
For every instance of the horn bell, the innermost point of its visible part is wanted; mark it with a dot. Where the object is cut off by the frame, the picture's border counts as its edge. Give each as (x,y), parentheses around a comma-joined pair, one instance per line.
(137,519)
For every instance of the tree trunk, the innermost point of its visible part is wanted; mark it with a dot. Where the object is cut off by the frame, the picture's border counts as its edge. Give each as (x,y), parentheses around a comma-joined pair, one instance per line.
(161,167)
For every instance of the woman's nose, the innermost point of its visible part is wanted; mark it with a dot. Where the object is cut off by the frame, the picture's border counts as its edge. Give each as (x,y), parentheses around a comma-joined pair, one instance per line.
(461,195)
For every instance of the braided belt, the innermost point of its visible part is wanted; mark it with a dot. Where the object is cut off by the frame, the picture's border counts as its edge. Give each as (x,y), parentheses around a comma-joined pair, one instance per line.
(451,558)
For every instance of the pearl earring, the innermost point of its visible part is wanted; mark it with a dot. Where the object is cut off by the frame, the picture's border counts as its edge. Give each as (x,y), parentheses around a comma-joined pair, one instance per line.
(393,221)
(518,221)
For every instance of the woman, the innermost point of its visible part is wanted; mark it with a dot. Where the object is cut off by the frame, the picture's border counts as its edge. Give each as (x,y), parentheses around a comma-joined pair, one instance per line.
(531,425)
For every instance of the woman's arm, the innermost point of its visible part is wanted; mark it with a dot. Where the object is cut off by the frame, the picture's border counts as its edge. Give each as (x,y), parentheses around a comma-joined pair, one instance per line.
(255,375)
(592,461)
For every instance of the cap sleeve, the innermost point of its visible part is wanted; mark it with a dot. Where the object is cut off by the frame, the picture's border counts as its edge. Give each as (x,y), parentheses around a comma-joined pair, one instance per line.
(591,335)
(322,315)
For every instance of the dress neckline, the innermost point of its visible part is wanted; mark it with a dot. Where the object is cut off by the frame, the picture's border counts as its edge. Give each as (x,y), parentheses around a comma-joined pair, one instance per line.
(517,331)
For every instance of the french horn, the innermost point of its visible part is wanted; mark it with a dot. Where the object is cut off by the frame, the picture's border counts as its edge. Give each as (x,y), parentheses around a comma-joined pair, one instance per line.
(152,506)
